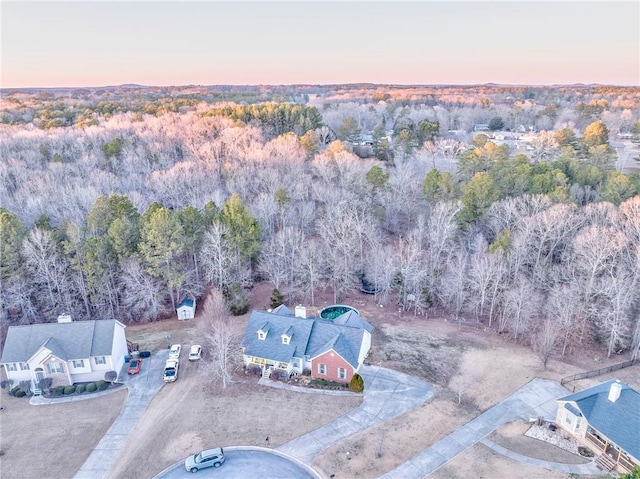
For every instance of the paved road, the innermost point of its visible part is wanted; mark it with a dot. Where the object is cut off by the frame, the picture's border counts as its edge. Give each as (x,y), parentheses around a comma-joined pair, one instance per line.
(246,462)
(387,394)
(536,398)
(142,388)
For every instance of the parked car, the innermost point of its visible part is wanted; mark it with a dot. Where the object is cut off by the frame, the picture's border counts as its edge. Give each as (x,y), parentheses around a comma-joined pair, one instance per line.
(207,458)
(145,354)
(134,366)
(174,352)
(195,353)
(170,370)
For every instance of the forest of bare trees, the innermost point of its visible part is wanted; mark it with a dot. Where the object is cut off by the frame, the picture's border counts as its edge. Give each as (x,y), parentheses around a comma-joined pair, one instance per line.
(114,209)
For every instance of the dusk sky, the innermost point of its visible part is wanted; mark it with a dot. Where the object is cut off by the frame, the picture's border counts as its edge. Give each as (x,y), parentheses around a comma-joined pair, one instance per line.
(87,43)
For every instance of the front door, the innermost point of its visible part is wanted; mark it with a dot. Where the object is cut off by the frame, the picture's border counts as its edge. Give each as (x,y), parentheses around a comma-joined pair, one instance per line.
(39,376)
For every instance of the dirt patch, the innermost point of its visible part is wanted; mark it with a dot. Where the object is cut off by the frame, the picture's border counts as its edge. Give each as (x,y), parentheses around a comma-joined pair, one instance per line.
(190,415)
(382,448)
(480,462)
(512,436)
(53,440)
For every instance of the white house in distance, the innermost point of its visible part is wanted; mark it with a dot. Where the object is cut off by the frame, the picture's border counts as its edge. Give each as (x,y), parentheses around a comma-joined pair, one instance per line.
(67,351)
(187,308)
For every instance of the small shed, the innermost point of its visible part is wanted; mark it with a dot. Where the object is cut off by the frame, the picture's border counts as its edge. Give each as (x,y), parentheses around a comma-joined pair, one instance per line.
(187,308)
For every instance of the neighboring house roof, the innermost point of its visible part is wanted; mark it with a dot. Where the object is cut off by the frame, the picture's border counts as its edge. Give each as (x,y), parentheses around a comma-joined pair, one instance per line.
(75,340)
(309,336)
(619,420)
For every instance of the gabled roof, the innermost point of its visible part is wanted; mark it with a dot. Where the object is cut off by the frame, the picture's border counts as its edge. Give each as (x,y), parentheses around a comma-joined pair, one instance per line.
(272,346)
(282,310)
(341,346)
(75,340)
(619,420)
(354,320)
(186,302)
(309,336)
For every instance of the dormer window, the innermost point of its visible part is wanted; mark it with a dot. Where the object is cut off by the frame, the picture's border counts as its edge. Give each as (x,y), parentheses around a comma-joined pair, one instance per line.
(263,331)
(286,336)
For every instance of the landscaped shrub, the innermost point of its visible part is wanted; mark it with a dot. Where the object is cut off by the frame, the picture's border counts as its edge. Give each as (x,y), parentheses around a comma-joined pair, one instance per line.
(14,390)
(102,385)
(585,451)
(25,386)
(110,376)
(45,384)
(58,391)
(356,384)
(69,390)
(279,375)
(91,387)
(254,369)
(80,388)
(6,383)
(20,393)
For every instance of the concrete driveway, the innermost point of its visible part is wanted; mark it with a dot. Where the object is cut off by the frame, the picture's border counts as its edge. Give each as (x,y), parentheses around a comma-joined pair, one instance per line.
(537,398)
(142,388)
(246,462)
(387,394)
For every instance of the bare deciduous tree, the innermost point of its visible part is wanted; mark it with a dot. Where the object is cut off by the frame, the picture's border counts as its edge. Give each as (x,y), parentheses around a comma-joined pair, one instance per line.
(222,335)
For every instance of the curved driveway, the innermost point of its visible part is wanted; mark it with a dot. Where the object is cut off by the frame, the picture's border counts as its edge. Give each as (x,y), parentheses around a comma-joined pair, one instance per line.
(387,394)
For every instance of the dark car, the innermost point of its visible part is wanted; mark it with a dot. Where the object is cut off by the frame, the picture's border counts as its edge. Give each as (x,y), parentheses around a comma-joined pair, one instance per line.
(134,366)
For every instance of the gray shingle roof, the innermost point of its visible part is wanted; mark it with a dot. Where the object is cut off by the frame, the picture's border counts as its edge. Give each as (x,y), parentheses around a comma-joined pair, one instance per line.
(309,336)
(272,346)
(353,319)
(75,340)
(619,421)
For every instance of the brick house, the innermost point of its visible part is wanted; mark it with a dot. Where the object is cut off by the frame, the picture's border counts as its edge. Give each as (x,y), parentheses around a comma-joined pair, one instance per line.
(327,349)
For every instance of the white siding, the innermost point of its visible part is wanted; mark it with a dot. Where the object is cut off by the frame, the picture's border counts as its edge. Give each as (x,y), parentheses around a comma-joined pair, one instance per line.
(119,348)
(17,375)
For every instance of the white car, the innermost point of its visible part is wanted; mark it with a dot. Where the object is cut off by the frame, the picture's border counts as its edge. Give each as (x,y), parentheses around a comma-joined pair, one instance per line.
(195,353)
(170,373)
(174,352)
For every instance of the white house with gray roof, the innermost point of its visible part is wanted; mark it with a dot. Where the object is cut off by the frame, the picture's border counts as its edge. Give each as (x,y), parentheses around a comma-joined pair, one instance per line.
(281,340)
(606,418)
(68,352)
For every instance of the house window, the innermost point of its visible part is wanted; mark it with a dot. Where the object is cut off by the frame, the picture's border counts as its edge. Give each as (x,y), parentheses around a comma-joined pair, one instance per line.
(568,418)
(296,363)
(100,360)
(54,368)
(24,367)
(342,373)
(322,369)
(78,363)
(285,339)
(262,335)
(11,366)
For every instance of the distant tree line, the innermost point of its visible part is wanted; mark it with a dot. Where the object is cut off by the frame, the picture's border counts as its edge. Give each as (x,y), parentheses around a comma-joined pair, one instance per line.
(120,219)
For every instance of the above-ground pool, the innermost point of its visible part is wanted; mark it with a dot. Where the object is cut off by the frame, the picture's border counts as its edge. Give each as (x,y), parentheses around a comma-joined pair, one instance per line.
(332,312)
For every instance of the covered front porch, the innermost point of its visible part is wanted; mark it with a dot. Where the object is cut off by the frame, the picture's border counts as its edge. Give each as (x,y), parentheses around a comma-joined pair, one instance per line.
(268,366)
(614,456)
